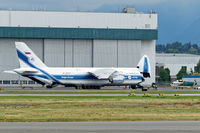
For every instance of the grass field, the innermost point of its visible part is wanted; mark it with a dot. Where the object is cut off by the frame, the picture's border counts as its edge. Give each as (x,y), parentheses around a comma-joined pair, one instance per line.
(98,108)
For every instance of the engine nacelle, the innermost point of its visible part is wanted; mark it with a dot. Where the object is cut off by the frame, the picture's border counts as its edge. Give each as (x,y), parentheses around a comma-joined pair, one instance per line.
(117,79)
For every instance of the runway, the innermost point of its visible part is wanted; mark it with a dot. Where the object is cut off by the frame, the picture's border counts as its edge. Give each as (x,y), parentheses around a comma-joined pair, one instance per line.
(61,88)
(96,94)
(61,91)
(102,127)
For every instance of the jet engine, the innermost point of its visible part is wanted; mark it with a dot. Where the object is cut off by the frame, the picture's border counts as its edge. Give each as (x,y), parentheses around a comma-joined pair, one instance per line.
(116,79)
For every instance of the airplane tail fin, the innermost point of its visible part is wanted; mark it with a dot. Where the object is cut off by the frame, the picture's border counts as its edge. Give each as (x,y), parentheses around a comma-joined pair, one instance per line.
(27,57)
(144,66)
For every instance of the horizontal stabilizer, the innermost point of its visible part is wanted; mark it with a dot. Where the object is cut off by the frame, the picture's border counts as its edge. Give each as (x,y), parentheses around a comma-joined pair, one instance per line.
(26,71)
(10,71)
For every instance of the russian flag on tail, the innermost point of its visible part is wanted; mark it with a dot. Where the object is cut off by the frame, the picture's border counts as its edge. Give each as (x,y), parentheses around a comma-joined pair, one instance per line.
(27,53)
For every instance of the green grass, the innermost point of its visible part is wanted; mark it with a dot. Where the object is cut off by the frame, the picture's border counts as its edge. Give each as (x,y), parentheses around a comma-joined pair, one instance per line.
(95,92)
(98,108)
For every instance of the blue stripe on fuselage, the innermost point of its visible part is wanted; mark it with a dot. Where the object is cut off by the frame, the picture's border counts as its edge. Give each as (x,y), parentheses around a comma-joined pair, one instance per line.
(25,60)
(84,77)
(33,75)
(68,77)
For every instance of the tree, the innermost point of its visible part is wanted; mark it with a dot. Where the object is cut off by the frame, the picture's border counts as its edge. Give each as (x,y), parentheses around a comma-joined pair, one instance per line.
(164,74)
(197,68)
(177,47)
(186,47)
(160,48)
(168,74)
(182,72)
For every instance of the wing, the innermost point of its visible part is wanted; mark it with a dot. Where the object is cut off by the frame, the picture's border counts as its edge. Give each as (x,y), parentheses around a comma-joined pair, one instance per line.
(103,73)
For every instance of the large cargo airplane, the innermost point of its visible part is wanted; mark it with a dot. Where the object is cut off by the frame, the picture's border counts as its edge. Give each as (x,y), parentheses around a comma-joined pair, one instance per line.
(33,68)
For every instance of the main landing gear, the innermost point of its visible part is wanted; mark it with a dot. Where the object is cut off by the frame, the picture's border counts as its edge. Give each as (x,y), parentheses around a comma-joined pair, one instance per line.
(51,86)
(138,87)
(87,87)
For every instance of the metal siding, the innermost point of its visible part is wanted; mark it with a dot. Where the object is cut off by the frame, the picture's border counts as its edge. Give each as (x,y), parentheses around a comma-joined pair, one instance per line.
(5,21)
(54,52)
(82,53)
(78,33)
(105,53)
(128,53)
(81,19)
(68,53)
(8,59)
(175,62)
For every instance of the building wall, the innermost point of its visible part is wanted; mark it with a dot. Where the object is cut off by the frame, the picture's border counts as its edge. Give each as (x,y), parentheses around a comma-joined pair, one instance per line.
(105,53)
(69,53)
(175,68)
(128,53)
(8,58)
(78,19)
(54,52)
(82,53)
(175,62)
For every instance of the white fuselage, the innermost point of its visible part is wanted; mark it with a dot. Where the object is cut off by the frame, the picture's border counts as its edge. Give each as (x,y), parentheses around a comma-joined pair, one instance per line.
(81,76)
(32,67)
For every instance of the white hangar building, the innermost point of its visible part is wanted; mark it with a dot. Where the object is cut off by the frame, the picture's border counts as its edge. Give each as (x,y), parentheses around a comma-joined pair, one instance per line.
(77,39)
(177,61)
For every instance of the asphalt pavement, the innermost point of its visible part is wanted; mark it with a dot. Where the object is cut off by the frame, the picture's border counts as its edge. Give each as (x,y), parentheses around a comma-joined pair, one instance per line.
(97,94)
(102,127)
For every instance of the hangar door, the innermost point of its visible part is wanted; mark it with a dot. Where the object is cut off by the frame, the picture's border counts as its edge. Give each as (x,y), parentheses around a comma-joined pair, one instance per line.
(105,53)
(54,52)
(68,53)
(128,53)
(8,59)
(82,53)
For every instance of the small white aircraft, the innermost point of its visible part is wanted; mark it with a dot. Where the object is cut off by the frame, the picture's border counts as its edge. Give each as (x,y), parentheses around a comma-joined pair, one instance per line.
(32,67)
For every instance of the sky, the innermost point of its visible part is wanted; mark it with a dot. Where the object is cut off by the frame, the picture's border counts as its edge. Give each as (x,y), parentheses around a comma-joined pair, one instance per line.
(174,16)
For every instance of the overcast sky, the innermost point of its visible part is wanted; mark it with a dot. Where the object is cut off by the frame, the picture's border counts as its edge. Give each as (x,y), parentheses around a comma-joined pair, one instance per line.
(84,5)
(174,15)
(69,5)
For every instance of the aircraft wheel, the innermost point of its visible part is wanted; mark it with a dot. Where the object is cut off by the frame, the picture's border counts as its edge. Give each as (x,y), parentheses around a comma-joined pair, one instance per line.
(143,89)
(83,87)
(98,87)
(49,86)
(133,86)
(77,87)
